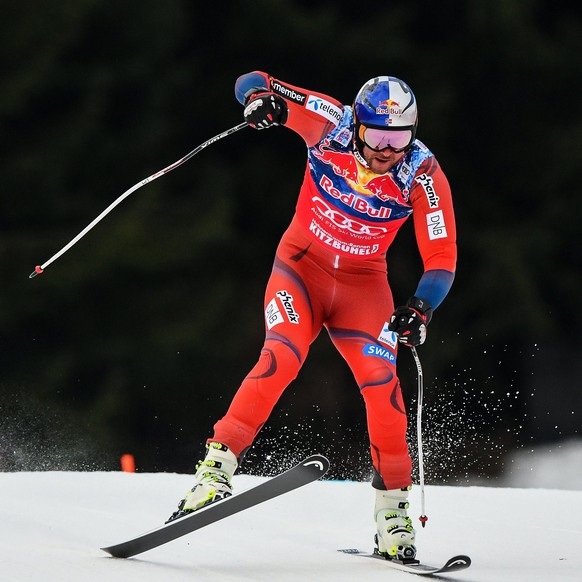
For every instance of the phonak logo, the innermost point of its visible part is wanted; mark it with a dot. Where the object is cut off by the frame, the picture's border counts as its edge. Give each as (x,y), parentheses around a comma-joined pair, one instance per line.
(288,93)
(287,302)
(324,108)
(426,182)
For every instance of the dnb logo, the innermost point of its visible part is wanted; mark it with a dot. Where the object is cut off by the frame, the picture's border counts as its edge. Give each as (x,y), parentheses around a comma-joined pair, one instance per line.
(273,315)
(435,222)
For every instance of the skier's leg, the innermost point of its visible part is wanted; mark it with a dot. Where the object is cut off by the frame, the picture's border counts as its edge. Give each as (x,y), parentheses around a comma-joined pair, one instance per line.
(373,366)
(279,363)
(292,323)
(358,328)
(292,320)
(387,423)
(361,336)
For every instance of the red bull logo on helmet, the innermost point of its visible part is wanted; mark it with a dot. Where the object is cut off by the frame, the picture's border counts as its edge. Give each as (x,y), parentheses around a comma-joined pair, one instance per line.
(388,107)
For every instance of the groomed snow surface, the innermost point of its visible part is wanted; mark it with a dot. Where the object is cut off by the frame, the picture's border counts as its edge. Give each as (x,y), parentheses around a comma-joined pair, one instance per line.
(52,525)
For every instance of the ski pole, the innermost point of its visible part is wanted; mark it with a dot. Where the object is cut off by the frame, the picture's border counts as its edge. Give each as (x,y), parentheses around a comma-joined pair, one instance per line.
(423,518)
(40,268)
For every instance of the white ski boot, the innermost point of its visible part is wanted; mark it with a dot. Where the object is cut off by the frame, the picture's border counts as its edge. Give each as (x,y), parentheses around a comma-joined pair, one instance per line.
(395,537)
(213,480)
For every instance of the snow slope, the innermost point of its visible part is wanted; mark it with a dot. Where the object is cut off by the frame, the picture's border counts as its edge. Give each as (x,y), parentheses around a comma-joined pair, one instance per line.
(52,525)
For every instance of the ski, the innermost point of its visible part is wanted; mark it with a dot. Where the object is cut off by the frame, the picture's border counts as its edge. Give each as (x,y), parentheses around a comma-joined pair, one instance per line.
(309,470)
(454,564)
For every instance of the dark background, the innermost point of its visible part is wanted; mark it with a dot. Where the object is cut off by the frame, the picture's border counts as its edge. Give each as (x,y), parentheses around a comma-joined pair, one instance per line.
(136,339)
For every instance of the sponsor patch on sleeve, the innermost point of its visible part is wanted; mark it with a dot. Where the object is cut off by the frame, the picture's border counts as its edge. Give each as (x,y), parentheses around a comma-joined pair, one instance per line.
(435,222)
(288,92)
(324,108)
(427,184)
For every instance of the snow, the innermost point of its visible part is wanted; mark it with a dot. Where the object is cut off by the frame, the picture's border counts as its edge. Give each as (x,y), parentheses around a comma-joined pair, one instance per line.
(557,465)
(52,525)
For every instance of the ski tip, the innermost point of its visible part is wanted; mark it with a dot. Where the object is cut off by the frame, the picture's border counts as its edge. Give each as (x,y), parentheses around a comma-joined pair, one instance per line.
(317,461)
(116,552)
(108,551)
(458,562)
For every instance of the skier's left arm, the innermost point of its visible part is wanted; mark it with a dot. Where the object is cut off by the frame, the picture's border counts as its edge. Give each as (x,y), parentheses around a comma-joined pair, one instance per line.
(436,235)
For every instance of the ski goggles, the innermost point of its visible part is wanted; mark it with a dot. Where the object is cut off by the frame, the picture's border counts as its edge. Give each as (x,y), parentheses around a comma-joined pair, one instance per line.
(380,139)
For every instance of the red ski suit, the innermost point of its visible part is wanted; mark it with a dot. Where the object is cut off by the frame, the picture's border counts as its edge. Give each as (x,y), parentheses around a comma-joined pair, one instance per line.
(330,271)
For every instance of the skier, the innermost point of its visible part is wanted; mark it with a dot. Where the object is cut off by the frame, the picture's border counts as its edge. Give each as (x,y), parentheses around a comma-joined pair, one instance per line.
(366,174)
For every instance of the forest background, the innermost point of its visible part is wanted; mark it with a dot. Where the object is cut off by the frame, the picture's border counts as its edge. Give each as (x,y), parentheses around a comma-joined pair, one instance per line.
(136,339)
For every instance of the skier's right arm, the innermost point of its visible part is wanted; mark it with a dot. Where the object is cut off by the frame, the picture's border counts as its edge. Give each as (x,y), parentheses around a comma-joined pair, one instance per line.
(269,102)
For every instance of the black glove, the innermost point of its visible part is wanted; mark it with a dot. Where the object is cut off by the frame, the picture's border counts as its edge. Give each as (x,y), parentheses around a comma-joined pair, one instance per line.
(265,111)
(410,321)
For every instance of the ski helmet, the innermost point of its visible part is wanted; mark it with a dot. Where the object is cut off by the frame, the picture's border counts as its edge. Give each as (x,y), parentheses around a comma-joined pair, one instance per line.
(385,115)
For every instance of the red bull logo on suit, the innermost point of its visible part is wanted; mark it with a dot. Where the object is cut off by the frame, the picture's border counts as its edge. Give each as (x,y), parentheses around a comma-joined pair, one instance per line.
(359,204)
(342,164)
(345,165)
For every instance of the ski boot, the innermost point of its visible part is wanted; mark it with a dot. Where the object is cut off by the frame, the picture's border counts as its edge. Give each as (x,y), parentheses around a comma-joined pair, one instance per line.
(213,480)
(395,537)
